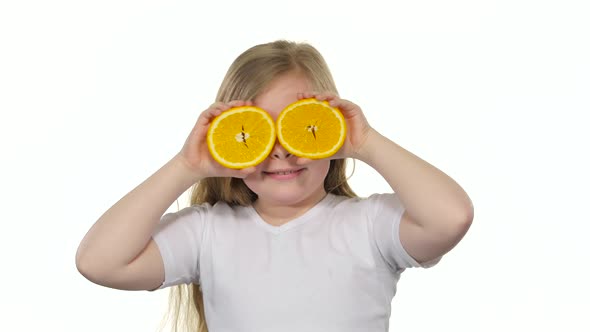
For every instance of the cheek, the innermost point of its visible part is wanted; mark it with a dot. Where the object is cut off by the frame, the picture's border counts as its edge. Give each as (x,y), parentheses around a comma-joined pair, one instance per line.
(253,182)
(321,170)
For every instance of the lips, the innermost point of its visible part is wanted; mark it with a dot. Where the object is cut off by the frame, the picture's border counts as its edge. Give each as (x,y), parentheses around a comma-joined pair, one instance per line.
(283,174)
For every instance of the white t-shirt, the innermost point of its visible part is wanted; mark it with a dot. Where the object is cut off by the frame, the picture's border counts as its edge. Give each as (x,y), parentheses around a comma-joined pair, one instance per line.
(335,268)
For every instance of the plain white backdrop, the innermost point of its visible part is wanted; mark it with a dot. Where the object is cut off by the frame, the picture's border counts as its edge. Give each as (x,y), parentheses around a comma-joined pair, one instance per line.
(96,96)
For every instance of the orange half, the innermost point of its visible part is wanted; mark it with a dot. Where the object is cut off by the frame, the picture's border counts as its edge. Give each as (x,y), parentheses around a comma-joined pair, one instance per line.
(312,129)
(241,137)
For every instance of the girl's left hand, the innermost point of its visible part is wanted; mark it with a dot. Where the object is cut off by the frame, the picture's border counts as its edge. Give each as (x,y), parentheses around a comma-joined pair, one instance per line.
(357,126)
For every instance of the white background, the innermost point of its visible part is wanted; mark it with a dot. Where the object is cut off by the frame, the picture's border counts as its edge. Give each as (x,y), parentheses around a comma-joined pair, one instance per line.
(96,96)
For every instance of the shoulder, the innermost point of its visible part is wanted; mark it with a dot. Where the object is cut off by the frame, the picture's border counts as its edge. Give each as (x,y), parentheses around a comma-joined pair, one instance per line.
(203,210)
(192,212)
(370,209)
(200,219)
(373,202)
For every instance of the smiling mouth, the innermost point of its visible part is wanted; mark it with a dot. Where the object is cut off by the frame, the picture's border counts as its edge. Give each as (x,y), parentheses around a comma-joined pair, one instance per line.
(284,174)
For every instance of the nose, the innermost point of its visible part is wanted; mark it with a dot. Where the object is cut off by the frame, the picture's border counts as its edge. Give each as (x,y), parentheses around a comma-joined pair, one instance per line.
(279,152)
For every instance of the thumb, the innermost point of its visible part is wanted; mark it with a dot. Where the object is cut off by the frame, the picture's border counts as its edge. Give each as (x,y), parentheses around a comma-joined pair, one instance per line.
(244,172)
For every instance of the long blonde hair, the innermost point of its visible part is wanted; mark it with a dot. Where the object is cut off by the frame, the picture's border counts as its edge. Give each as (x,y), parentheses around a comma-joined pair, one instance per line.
(247,77)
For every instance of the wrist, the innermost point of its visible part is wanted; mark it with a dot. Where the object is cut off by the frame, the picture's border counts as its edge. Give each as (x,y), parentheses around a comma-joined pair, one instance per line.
(368,149)
(183,170)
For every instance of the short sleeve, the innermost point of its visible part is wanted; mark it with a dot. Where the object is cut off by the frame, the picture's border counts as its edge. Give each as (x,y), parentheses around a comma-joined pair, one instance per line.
(386,212)
(179,236)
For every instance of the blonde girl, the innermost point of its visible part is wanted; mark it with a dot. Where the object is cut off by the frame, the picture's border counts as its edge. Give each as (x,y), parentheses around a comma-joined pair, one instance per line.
(285,245)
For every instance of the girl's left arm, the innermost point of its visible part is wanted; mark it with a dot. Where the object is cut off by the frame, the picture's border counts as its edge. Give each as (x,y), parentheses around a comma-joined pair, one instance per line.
(438,212)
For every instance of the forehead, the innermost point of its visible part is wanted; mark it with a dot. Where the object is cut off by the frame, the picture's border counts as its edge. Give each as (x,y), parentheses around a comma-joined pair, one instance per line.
(281,92)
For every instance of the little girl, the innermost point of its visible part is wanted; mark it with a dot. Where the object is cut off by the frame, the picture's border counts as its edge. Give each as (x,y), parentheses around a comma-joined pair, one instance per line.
(285,245)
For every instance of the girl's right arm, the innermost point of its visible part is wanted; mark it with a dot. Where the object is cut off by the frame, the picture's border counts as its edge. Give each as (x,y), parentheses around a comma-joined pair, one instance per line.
(118,251)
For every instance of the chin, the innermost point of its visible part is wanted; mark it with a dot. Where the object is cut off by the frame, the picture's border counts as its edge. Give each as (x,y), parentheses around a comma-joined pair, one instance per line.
(287,192)
(285,196)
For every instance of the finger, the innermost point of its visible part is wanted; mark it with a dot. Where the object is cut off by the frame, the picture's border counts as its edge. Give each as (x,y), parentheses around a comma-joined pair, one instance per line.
(236,103)
(209,114)
(214,110)
(343,104)
(212,113)
(219,105)
(243,173)
(309,94)
(205,117)
(326,96)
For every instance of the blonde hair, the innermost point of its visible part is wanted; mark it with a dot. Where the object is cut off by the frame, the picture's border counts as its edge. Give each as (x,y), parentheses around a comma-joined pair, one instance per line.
(246,78)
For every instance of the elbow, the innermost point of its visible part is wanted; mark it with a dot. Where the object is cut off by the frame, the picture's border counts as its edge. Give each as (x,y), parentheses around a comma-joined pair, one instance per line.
(454,223)
(92,268)
(461,220)
(95,272)
(467,215)
(84,265)
(80,260)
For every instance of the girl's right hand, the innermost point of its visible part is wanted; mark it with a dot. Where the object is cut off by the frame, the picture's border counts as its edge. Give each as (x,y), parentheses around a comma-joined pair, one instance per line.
(195,154)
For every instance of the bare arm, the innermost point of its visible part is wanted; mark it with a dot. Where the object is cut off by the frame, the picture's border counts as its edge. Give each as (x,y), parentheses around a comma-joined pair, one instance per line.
(438,211)
(118,251)
(124,230)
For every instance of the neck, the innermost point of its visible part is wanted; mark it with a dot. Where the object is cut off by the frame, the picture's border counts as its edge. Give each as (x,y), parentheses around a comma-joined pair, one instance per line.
(278,213)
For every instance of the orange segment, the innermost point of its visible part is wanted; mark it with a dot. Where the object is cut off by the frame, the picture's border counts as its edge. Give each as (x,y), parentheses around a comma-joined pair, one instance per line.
(311,129)
(241,137)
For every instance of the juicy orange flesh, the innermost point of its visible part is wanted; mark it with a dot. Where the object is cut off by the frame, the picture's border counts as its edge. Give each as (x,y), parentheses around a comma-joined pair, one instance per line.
(242,137)
(311,129)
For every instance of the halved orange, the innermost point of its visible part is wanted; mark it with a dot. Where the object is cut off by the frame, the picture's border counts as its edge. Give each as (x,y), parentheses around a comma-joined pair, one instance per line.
(241,137)
(312,129)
